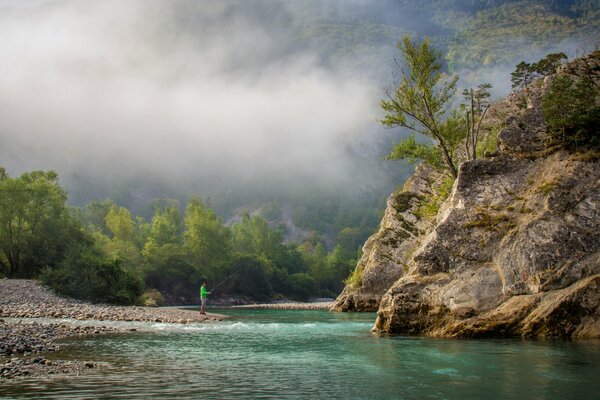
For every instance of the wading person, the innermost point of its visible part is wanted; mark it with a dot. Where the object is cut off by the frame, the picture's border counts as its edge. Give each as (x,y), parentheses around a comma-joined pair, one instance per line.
(203,295)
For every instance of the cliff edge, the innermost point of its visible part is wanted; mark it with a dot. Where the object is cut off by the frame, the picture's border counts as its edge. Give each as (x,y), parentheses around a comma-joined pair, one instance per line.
(513,251)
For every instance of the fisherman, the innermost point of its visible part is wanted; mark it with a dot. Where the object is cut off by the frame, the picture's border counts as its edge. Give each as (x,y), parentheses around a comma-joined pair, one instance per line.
(203,295)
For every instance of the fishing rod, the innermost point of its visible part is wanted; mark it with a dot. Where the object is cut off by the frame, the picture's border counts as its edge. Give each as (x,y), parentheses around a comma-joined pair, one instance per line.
(225,280)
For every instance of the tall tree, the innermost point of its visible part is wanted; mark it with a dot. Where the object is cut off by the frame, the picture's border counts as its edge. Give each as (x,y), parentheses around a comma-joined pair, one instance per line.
(166,228)
(252,235)
(34,223)
(205,237)
(119,222)
(523,75)
(419,100)
(549,64)
(476,106)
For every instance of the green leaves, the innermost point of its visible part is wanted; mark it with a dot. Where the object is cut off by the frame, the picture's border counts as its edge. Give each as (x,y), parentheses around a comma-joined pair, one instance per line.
(34,222)
(408,149)
(419,102)
(525,73)
(119,222)
(205,236)
(572,111)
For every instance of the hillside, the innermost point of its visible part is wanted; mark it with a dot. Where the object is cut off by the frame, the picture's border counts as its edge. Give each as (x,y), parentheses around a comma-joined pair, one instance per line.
(514,249)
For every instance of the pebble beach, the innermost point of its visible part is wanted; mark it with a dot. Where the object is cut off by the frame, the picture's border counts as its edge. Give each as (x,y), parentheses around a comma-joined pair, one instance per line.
(25,343)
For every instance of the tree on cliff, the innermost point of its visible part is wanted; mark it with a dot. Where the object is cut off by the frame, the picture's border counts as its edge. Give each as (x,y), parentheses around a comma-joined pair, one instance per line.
(475,106)
(525,73)
(418,101)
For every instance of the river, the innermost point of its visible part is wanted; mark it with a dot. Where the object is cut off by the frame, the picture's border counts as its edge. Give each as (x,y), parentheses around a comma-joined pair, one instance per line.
(258,354)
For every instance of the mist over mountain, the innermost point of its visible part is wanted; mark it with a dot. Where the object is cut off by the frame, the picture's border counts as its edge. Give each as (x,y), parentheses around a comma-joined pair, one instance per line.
(245,102)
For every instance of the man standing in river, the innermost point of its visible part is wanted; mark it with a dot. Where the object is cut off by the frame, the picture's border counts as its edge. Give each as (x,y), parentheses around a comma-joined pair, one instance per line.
(203,295)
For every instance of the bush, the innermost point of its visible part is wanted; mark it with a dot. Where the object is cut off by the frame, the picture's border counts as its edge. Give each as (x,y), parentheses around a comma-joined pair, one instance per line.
(86,273)
(151,298)
(251,278)
(173,276)
(572,112)
(302,286)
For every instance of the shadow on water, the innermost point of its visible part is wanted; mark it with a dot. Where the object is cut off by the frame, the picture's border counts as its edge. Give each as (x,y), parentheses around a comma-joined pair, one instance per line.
(307,354)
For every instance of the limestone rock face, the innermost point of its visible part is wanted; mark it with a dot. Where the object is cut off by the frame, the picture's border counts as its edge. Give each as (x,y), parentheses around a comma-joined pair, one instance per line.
(514,250)
(386,254)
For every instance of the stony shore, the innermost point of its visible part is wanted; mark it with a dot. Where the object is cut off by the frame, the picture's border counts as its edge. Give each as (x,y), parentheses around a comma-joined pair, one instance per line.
(28,299)
(23,342)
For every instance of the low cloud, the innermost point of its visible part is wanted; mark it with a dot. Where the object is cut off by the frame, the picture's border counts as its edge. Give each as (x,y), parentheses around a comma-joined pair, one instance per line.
(129,88)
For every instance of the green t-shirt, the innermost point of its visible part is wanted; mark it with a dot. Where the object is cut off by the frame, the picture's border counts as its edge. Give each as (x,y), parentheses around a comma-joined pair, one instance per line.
(203,292)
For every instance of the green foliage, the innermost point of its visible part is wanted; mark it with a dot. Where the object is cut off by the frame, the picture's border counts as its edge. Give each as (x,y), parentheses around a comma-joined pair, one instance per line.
(205,237)
(355,278)
(572,111)
(151,298)
(35,225)
(419,100)
(302,286)
(253,235)
(117,255)
(429,207)
(94,215)
(119,222)
(548,65)
(251,277)
(170,272)
(166,228)
(87,273)
(489,144)
(503,32)
(525,73)
(408,149)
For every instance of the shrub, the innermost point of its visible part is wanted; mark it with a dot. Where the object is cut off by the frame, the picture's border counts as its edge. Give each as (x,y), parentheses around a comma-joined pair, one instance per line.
(86,273)
(151,298)
(355,278)
(251,277)
(302,286)
(431,205)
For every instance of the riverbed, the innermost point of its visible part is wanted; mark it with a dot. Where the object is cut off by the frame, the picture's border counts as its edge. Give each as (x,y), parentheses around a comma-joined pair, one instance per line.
(313,354)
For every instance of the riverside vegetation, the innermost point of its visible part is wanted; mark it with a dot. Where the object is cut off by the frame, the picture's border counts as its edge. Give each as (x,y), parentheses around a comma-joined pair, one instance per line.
(512,248)
(102,253)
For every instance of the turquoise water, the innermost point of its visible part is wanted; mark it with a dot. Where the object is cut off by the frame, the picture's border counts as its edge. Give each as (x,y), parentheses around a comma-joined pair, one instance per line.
(260,354)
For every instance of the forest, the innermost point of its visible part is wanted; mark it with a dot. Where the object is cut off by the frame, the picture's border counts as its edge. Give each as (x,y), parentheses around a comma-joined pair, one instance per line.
(103,253)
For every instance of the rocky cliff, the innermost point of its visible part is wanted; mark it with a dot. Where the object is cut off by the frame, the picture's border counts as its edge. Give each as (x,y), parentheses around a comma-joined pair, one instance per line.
(514,250)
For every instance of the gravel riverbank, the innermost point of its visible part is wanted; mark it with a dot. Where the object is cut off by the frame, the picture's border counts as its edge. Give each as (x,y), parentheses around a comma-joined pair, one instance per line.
(28,299)
(23,342)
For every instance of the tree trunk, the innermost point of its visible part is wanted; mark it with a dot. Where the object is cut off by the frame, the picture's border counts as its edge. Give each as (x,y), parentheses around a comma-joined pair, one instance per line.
(448,161)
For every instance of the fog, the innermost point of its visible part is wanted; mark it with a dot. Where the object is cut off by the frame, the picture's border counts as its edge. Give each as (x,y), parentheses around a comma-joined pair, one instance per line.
(125,88)
(200,96)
